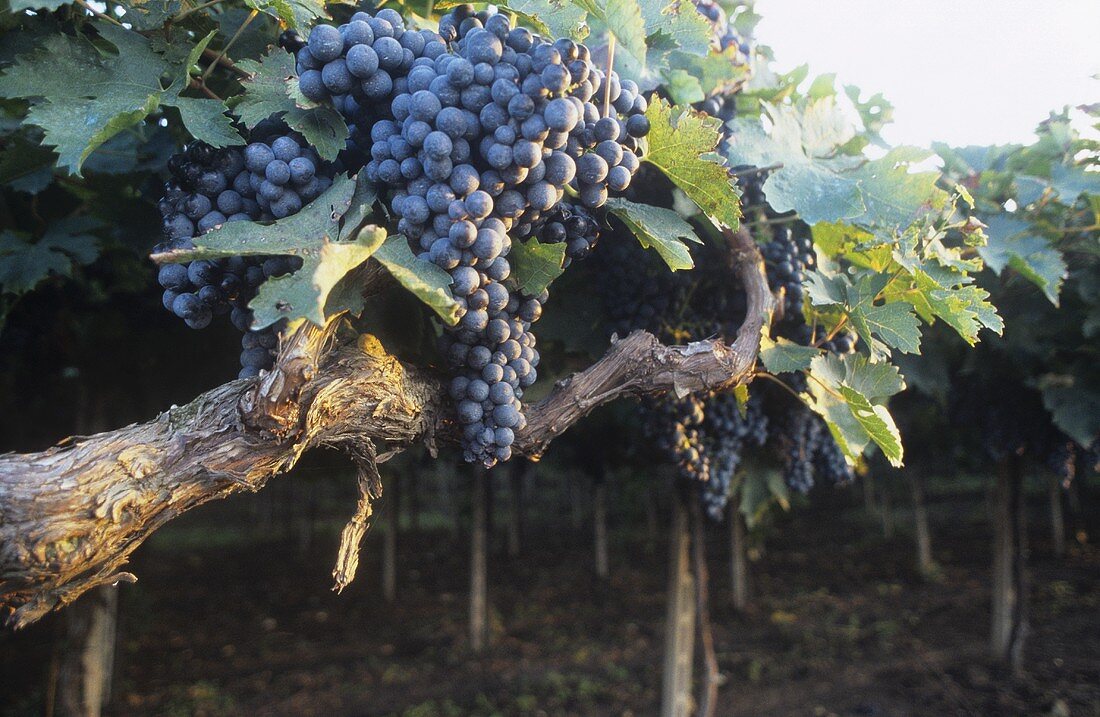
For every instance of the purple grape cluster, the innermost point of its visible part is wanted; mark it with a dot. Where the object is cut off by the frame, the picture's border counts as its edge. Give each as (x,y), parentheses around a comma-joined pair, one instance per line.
(573,224)
(210,187)
(474,134)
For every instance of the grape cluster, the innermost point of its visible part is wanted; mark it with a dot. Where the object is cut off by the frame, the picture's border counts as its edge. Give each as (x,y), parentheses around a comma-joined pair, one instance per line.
(731,431)
(284,174)
(810,452)
(723,33)
(567,222)
(1061,460)
(788,256)
(676,428)
(474,133)
(209,187)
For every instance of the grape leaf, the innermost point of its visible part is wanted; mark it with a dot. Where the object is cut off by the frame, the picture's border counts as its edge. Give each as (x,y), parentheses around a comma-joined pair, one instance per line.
(848,392)
(305,293)
(297,235)
(680,144)
(684,88)
(50,5)
(1071,182)
(551,18)
(297,14)
(24,165)
(804,140)
(149,14)
(676,25)
(893,323)
(206,120)
(265,89)
(657,228)
(535,265)
(1012,244)
(268,93)
(84,97)
(66,244)
(893,196)
(323,127)
(1075,409)
(427,281)
(621,19)
(783,356)
(712,73)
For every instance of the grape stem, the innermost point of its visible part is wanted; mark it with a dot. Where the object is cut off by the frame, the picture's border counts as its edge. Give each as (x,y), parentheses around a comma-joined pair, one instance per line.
(757,170)
(201,87)
(219,59)
(97,13)
(195,9)
(210,68)
(607,77)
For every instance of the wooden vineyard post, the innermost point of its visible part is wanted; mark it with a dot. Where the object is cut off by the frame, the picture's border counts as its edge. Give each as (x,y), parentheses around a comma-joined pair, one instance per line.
(926,564)
(392,512)
(479,599)
(739,569)
(1057,517)
(679,644)
(87,655)
(1009,613)
(599,520)
(518,475)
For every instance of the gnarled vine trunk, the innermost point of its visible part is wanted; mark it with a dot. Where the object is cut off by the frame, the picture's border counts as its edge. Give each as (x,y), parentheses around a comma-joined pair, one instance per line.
(71,516)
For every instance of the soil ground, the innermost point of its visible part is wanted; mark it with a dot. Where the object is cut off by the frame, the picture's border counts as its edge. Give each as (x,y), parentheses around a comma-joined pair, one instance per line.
(242,622)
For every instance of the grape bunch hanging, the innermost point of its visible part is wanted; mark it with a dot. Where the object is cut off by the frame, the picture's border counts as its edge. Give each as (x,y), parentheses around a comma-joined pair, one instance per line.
(474,135)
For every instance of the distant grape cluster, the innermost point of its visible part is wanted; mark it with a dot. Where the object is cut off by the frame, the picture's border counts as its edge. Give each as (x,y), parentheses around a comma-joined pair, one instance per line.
(209,187)
(732,431)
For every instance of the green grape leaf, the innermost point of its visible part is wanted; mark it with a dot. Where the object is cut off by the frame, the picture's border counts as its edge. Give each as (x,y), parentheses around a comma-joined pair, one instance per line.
(894,196)
(784,356)
(849,392)
(266,92)
(822,183)
(684,88)
(1073,181)
(877,422)
(82,97)
(424,279)
(145,15)
(305,293)
(758,485)
(1012,244)
(67,243)
(269,93)
(623,20)
(804,141)
(657,228)
(50,5)
(1074,408)
(893,323)
(551,18)
(323,127)
(24,165)
(536,265)
(300,234)
(676,25)
(680,144)
(966,309)
(207,121)
(712,73)
(297,14)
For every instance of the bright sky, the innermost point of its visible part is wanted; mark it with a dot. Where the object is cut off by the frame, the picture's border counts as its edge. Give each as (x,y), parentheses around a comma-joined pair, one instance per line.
(960,71)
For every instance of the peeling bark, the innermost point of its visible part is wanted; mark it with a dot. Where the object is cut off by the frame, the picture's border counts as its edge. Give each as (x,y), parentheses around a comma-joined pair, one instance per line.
(71,516)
